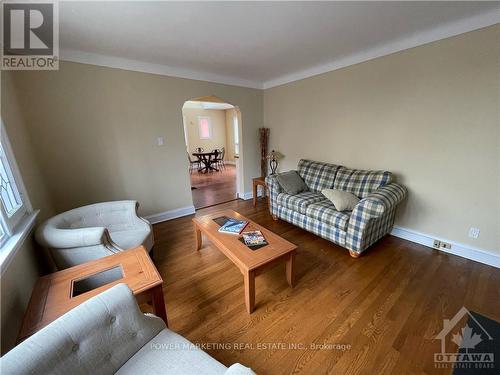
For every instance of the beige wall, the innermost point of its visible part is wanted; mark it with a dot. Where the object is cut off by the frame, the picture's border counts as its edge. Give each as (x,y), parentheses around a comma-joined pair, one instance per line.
(229,114)
(218,121)
(16,283)
(429,114)
(18,278)
(95,131)
(22,144)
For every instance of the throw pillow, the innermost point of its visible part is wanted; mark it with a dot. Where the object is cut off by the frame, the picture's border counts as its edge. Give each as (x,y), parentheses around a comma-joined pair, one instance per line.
(291,182)
(342,200)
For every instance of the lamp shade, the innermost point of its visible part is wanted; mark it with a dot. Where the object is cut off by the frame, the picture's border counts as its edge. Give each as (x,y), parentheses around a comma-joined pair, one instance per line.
(276,155)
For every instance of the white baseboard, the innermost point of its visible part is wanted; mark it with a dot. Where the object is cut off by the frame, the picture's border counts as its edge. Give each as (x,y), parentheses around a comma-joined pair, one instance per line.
(245,196)
(464,251)
(170,214)
(249,195)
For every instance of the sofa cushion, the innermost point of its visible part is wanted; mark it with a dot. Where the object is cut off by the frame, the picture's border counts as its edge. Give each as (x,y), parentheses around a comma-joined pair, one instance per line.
(291,182)
(342,200)
(325,212)
(170,353)
(360,183)
(299,202)
(317,175)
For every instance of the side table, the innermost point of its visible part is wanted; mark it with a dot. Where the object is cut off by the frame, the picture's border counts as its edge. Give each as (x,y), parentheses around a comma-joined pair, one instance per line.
(262,182)
(55,294)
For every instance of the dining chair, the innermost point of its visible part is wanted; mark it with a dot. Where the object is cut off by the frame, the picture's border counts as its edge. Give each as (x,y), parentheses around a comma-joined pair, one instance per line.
(218,156)
(222,157)
(193,163)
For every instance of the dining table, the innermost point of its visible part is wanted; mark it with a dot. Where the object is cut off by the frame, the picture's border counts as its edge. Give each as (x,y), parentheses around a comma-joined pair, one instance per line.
(207,161)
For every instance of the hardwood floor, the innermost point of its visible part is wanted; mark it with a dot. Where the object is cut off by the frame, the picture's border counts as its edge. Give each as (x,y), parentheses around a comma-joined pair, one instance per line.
(213,188)
(388,305)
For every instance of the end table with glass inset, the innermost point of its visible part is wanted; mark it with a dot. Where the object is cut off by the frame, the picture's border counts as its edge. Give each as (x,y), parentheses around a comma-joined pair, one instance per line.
(57,293)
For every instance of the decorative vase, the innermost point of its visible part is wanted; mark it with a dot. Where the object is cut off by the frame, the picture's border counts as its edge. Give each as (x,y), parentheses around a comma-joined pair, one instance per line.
(264,140)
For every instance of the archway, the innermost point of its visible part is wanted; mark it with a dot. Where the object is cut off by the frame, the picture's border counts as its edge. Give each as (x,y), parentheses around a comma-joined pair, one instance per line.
(212,134)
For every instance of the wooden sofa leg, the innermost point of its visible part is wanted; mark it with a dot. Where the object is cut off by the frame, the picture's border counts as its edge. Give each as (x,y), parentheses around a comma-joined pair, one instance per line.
(275,218)
(354,254)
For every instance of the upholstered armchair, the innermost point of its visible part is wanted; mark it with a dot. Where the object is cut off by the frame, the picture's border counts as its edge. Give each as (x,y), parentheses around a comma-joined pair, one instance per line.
(95,231)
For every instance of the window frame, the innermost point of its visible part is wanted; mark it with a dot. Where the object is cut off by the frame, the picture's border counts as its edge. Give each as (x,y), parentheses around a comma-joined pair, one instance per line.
(8,223)
(210,129)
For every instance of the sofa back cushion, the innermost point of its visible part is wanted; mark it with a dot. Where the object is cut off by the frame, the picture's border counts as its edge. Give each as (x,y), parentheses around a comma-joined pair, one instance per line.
(317,175)
(291,182)
(360,183)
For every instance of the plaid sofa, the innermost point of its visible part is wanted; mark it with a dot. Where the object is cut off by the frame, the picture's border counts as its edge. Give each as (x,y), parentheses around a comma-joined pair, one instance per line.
(370,220)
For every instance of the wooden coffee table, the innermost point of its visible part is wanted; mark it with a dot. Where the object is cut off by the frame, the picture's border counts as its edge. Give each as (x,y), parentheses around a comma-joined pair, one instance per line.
(53,295)
(250,262)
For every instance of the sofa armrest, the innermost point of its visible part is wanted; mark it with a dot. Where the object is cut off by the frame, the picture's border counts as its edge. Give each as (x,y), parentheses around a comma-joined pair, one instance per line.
(274,189)
(273,184)
(378,202)
(374,208)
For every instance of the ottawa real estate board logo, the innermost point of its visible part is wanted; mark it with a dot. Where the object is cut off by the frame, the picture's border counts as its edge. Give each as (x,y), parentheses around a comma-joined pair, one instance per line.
(30,35)
(466,344)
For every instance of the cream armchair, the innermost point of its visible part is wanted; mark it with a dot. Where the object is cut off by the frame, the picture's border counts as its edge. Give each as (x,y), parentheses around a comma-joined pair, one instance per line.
(94,231)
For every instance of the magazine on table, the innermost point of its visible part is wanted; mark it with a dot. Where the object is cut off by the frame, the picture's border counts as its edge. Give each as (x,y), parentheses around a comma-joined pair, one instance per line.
(254,238)
(233,226)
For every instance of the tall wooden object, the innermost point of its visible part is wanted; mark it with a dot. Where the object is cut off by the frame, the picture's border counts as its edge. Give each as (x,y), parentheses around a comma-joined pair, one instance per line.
(264,141)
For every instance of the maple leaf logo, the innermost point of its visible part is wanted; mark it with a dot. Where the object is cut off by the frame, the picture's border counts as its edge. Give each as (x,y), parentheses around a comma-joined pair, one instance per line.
(467,339)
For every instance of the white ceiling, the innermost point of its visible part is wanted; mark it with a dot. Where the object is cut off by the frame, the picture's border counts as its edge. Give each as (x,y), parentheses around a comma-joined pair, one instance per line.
(256,44)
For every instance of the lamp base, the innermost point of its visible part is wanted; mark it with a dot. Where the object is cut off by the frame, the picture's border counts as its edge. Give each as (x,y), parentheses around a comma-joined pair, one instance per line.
(274,165)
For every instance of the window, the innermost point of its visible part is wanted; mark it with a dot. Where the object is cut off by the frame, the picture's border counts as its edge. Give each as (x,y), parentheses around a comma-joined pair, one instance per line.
(11,199)
(236,134)
(15,204)
(204,127)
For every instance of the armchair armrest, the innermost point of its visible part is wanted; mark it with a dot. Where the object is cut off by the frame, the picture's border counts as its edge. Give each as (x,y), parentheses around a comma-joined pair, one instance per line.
(52,237)
(130,207)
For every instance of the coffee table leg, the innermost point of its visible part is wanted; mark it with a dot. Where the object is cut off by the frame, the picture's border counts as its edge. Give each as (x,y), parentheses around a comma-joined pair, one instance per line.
(249,278)
(290,276)
(159,303)
(197,236)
